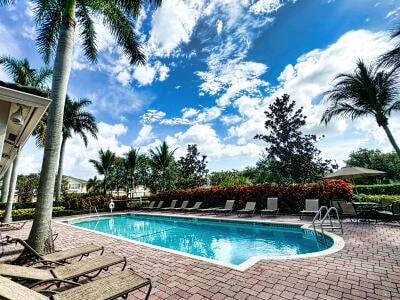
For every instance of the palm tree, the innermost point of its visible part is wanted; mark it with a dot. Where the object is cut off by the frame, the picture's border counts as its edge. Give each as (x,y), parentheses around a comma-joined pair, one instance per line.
(367,91)
(104,166)
(80,121)
(21,72)
(56,22)
(94,184)
(392,57)
(162,161)
(132,161)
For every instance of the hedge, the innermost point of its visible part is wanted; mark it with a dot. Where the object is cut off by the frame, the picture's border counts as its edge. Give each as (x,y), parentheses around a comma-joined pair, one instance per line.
(291,198)
(379,189)
(28,213)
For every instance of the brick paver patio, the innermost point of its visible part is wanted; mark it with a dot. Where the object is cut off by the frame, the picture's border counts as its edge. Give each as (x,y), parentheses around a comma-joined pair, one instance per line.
(366,268)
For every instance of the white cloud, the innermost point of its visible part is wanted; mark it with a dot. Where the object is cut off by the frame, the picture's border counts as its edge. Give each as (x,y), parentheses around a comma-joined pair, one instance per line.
(152,116)
(265,6)
(145,135)
(314,71)
(172,24)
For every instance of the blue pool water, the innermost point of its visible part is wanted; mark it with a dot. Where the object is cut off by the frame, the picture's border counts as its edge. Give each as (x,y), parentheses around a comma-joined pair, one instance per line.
(225,241)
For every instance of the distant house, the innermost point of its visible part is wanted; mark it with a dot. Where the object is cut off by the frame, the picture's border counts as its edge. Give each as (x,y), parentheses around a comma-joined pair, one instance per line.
(75,185)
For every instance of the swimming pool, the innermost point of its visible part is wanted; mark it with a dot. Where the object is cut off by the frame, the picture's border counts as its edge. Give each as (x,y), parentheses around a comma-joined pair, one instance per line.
(227,241)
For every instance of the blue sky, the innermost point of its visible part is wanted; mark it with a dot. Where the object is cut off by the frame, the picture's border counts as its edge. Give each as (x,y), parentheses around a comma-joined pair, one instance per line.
(213,68)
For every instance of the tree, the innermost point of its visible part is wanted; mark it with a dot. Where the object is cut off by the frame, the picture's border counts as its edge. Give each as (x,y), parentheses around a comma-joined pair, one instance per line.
(132,162)
(376,160)
(261,173)
(79,121)
(57,21)
(228,178)
(292,155)
(192,170)
(27,186)
(5,186)
(94,185)
(104,166)
(368,91)
(21,72)
(392,57)
(162,163)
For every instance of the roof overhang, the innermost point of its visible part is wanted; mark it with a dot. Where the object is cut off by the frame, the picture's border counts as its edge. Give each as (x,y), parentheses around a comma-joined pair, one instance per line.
(33,108)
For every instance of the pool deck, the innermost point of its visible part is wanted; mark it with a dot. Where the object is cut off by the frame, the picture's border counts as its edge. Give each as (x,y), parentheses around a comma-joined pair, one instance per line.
(368,267)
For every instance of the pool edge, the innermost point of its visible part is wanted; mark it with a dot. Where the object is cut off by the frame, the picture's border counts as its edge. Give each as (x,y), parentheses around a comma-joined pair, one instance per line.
(338,241)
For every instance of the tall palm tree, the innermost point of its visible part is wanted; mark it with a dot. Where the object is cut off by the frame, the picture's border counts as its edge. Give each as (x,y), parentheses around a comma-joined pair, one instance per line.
(104,166)
(162,160)
(21,72)
(392,57)
(56,21)
(369,90)
(79,121)
(132,161)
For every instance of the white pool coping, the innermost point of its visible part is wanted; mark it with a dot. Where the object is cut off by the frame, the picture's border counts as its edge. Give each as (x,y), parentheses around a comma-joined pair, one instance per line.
(338,241)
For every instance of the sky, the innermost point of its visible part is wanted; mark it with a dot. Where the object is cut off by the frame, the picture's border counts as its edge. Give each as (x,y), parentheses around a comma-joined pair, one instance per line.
(213,67)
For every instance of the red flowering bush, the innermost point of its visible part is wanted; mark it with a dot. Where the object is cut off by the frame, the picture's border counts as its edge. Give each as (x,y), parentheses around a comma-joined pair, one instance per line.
(291,198)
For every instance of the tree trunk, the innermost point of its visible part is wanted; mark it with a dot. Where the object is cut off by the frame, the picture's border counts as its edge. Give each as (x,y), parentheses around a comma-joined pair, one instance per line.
(40,237)
(13,181)
(6,185)
(392,140)
(57,188)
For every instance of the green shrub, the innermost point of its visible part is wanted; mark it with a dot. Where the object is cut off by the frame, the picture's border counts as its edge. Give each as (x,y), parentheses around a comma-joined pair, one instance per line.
(380,199)
(379,189)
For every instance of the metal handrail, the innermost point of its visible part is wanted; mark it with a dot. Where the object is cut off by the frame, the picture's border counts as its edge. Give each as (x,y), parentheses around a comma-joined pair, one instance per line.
(322,221)
(95,209)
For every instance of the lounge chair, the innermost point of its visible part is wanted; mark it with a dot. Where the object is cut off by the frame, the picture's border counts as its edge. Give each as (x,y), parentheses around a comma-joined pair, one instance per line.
(89,268)
(182,207)
(248,210)
(109,287)
(227,209)
(57,256)
(349,210)
(151,205)
(311,207)
(272,207)
(12,226)
(159,205)
(172,206)
(336,204)
(195,207)
(390,212)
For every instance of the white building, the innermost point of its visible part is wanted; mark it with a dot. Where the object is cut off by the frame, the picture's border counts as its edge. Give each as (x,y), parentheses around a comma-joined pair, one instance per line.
(75,185)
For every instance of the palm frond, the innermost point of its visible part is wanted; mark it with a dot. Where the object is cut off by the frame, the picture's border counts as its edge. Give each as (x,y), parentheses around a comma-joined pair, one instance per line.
(88,33)
(122,29)
(48,31)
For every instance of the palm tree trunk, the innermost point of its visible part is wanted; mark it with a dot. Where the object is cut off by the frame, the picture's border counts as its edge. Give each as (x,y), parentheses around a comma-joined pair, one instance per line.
(6,185)
(40,237)
(57,188)
(392,140)
(13,181)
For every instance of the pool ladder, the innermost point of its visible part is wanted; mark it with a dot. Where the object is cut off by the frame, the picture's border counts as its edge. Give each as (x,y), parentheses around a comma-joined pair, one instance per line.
(95,210)
(334,222)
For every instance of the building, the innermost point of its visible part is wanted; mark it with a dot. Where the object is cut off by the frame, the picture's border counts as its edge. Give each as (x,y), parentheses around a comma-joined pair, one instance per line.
(75,185)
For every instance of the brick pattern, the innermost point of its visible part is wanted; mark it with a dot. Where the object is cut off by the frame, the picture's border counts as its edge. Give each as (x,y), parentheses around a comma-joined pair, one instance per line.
(367,268)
